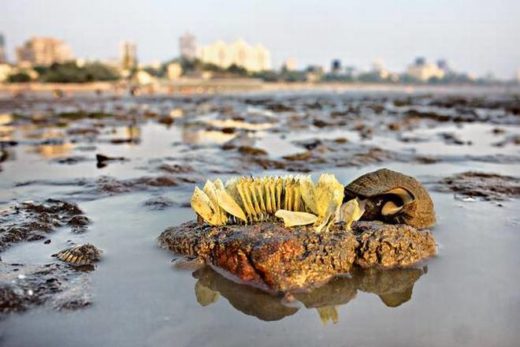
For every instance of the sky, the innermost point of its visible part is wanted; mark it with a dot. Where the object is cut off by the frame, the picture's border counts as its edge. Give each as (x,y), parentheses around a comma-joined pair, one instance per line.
(475,36)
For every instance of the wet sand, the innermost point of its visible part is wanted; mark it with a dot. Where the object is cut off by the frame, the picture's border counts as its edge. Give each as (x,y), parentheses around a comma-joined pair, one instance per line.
(467,295)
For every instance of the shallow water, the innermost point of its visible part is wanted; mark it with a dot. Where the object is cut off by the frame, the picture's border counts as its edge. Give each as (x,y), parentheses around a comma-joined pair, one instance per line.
(467,297)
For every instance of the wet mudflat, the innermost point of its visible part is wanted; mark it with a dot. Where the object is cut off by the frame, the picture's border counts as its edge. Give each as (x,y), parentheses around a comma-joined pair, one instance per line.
(154,149)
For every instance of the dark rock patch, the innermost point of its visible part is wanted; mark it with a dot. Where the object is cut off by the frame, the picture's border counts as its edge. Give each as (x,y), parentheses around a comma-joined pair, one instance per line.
(159,203)
(103,160)
(56,285)
(30,221)
(485,186)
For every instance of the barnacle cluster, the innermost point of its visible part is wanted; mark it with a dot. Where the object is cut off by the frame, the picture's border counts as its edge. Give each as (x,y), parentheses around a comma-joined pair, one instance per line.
(297,200)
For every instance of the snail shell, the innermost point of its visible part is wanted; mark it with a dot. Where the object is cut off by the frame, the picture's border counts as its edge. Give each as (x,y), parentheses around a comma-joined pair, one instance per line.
(79,255)
(393,197)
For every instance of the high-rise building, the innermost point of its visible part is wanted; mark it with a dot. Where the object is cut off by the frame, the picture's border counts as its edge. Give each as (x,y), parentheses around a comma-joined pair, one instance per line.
(188,46)
(128,55)
(240,53)
(43,51)
(3,55)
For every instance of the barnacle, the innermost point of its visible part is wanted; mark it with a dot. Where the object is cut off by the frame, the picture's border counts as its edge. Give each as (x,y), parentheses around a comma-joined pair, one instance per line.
(294,199)
(79,255)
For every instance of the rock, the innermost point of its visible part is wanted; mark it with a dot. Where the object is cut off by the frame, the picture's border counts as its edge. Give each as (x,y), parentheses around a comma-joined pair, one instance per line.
(267,255)
(251,151)
(103,160)
(278,259)
(389,246)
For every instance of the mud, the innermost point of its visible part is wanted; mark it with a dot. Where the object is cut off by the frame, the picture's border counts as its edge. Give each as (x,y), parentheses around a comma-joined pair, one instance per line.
(31,221)
(481,185)
(55,285)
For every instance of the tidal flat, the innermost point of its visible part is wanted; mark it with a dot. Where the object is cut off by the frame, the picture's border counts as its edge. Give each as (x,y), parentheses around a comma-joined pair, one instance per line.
(116,171)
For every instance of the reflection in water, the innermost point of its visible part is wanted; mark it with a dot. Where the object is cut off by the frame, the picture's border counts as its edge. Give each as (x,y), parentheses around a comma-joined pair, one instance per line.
(394,287)
(6,118)
(54,150)
(239,124)
(133,133)
(176,113)
(196,136)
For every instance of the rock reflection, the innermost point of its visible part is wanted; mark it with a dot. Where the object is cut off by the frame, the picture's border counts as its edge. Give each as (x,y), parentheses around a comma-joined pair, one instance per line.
(394,287)
(52,150)
(195,136)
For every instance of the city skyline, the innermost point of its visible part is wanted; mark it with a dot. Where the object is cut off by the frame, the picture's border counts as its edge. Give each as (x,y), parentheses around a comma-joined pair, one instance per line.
(475,37)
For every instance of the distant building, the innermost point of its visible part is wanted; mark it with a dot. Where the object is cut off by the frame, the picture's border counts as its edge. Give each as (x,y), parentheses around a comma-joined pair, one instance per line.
(518,75)
(443,65)
(423,71)
(128,55)
(335,66)
(289,64)
(5,71)
(420,61)
(188,46)
(379,69)
(314,73)
(3,54)
(351,71)
(143,78)
(174,71)
(240,53)
(43,51)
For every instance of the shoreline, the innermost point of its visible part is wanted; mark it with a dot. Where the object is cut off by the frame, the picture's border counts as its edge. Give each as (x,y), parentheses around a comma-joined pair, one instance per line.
(187,87)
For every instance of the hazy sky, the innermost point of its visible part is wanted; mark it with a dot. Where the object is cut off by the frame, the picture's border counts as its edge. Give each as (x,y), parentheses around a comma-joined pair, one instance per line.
(473,35)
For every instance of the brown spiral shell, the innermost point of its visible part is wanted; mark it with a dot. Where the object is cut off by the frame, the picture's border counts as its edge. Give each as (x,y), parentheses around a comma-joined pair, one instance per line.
(375,187)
